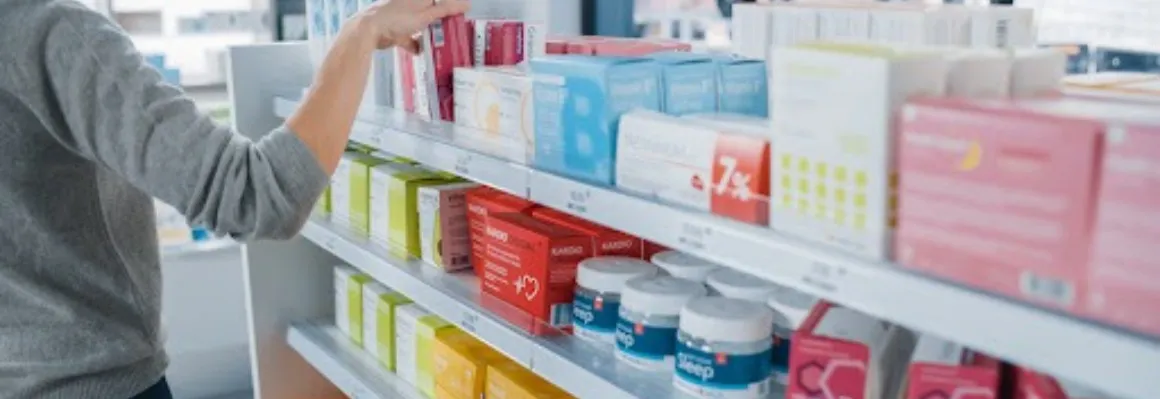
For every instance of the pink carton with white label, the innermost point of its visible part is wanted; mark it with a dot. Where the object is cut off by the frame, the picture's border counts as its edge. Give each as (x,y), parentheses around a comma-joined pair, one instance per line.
(446,44)
(1054,201)
(944,369)
(498,42)
(840,353)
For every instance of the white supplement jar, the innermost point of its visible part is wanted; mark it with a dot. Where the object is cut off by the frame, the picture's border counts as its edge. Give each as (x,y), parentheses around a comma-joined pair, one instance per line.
(731,283)
(688,267)
(650,308)
(790,309)
(596,304)
(724,349)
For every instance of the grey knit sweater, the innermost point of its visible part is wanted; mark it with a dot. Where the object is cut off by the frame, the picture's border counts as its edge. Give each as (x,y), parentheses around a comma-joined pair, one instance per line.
(88,133)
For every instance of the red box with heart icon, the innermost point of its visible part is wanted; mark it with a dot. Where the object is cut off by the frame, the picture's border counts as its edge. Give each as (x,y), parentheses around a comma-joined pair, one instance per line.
(841,353)
(606,241)
(531,265)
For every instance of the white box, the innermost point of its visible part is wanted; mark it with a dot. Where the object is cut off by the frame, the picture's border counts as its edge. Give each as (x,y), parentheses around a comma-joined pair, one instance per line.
(834,177)
(380,199)
(497,100)
(792,25)
(371,292)
(841,23)
(348,284)
(943,26)
(979,73)
(535,41)
(752,30)
(1002,27)
(443,229)
(1037,71)
(406,351)
(340,191)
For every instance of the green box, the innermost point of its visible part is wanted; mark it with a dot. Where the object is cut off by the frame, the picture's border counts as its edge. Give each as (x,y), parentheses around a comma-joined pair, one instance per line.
(322,206)
(427,329)
(379,305)
(404,239)
(360,192)
(348,303)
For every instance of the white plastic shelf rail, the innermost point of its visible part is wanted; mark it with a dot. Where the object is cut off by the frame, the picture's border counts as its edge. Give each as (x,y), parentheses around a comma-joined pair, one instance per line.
(1115,362)
(345,364)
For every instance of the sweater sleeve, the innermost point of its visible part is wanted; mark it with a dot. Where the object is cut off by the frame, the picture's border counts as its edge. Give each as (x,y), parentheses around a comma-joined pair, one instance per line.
(115,110)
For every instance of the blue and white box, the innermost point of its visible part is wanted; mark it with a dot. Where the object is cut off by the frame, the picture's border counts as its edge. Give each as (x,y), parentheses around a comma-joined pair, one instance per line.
(317,29)
(578,104)
(742,86)
(688,83)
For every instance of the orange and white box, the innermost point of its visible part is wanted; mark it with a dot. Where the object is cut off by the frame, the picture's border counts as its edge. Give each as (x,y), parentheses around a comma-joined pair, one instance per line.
(605,241)
(694,164)
(834,178)
(531,265)
(944,369)
(840,353)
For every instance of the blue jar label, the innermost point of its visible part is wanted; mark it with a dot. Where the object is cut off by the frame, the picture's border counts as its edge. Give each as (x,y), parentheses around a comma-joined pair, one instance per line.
(781,358)
(723,375)
(594,317)
(645,346)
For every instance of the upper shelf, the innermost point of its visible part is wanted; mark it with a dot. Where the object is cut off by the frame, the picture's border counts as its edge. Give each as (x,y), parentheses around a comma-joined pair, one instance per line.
(1118,363)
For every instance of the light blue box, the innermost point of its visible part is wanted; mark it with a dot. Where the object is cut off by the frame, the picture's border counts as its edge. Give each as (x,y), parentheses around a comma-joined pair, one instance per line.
(688,83)
(578,104)
(742,86)
(334,9)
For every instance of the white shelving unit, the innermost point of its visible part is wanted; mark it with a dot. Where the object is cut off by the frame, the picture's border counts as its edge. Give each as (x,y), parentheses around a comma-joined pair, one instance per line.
(345,364)
(289,282)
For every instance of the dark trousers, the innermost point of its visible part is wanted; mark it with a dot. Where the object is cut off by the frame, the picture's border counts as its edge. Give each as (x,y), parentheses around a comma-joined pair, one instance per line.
(160,390)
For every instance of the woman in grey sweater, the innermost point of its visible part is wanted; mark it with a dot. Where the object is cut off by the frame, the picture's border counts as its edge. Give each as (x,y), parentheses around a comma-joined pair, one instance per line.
(88,133)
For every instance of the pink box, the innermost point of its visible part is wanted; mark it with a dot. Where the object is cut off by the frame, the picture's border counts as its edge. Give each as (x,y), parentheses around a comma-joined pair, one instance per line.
(1056,201)
(976,378)
(826,364)
(446,45)
(1030,384)
(498,42)
(556,45)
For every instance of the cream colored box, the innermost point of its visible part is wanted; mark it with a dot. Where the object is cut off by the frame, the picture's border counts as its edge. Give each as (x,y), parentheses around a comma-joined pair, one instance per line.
(979,73)
(1037,71)
(834,178)
(942,26)
(498,101)
(380,199)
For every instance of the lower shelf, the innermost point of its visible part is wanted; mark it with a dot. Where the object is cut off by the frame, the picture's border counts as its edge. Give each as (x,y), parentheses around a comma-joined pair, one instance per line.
(345,364)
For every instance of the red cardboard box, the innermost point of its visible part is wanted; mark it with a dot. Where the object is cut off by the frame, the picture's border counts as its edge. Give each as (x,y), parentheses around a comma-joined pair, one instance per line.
(606,241)
(943,369)
(481,203)
(498,42)
(446,45)
(531,264)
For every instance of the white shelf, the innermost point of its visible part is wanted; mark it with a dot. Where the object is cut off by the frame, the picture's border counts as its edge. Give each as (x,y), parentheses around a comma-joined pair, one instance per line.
(583,369)
(345,364)
(1118,363)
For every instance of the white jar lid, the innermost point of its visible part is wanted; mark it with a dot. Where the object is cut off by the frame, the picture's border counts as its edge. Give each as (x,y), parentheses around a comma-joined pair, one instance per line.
(664,295)
(727,319)
(688,267)
(735,284)
(791,307)
(609,273)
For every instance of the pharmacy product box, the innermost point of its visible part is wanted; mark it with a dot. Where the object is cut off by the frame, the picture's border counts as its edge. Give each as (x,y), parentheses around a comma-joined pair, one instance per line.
(555,46)
(1030,384)
(742,86)
(348,303)
(578,103)
(1079,147)
(444,233)
(535,41)
(1079,55)
(461,363)
(582,45)
(498,42)
(1037,72)
(509,380)
(446,45)
(340,190)
(921,25)
(379,306)
(360,192)
(322,205)
(978,73)
(628,48)
(793,25)
(481,203)
(380,199)
(841,353)
(498,101)
(940,367)
(605,241)
(334,16)
(752,30)
(693,164)
(1002,27)
(841,170)
(1126,60)
(415,331)
(403,81)
(688,83)
(531,265)
(652,248)
(404,238)
(844,23)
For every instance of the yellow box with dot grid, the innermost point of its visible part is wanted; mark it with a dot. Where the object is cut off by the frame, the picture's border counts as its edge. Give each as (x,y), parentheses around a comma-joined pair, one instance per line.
(833,107)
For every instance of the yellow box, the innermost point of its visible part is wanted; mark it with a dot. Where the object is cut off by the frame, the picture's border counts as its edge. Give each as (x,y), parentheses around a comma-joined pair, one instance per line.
(461,363)
(509,380)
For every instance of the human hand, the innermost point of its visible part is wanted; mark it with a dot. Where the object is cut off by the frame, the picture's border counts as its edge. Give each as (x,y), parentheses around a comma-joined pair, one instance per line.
(397,21)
